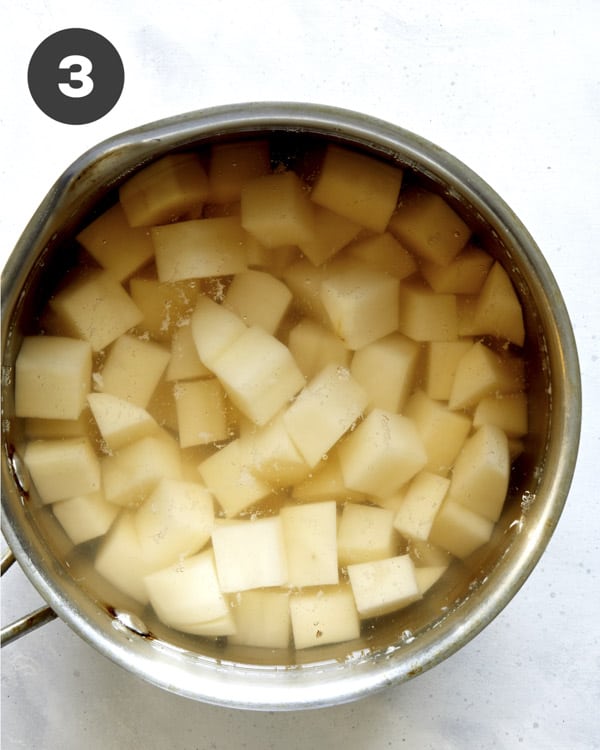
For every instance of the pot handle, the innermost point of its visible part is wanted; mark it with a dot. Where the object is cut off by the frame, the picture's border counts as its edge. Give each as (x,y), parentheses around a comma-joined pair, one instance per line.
(27,623)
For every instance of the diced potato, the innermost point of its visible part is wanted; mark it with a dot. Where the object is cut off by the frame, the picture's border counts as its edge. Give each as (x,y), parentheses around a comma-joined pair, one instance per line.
(276,260)
(382,586)
(201,416)
(322,412)
(165,190)
(232,165)
(130,475)
(365,533)
(277,211)
(480,373)
(175,521)
(421,502)
(310,538)
(429,227)
(185,364)
(52,377)
(133,369)
(384,253)
(425,554)
(119,559)
(304,280)
(250,554)
(259,299)
(96,308)
(481,472)
(498,311)
(508,412)
(326,483)
(270,453)
(85,517)
(165,306)
(229,479)
(361,302)
(119,421)
(162,405)
(358,187)
(331,233)
(463,275)
(313,347)
(425,315)
(382,454)
(259,374)
(117,247)
(220,626)
(61,469)
(459,530)
(465,313)
(441,361)
(327,615)
(262,619)
(442,432)
(386,370)
(214,329)
(199,248)
(188,591)
(429,575)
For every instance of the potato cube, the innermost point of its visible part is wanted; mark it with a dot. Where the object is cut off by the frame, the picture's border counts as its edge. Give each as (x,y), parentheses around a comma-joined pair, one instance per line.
(427,226)
(119,421)
(85,517)
(96,308)
(185,364)
(322,412)
(384,253)
(358,187)
(481,472)
(214,329)
(361,302)
(119,559)
(201,416)
(259,299)
(165,190)
(426,577)
(425,315)
(463,275)
(162,405)
(421,502)
(313,347)
(276,260)
(441,361)
(325,616)
(132,473)
(425,554)
(498,311)
(52,377)
(365,533)
(276,210)
(199,248)
(165,306)
(304,281)
(270,453)
(442,432)
(331,233)
(250,554)
(259,374)
(326,483)
(176,520)
(220,626)
(62,468)
(230,480)
(480,373)
(508,412)
(382,454)
(262,619)
(188,591)
(459,530)
(232,165)
(133,369)
(382,586)
(117,247)
(310,538)
(386,370)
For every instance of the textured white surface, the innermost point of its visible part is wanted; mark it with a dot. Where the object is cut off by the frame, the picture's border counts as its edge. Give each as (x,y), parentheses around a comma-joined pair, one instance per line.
(510,87)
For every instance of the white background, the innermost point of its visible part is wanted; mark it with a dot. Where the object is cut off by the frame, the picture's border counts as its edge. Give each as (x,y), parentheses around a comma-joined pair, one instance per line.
(512,88)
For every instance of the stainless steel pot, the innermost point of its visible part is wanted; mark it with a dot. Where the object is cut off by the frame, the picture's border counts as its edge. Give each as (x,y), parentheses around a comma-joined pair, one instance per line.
(415,639)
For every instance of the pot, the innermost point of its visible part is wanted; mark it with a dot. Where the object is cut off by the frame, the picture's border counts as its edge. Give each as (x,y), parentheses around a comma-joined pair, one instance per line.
(403,645)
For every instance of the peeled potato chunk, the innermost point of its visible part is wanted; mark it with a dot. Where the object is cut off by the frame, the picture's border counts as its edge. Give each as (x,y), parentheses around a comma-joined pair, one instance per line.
(464,275)
(310,537)
(201,416)
(119,421)
(384,253)
(262,618)
(441,361)
(426,316)
(165,306)
(459,530)
(498,311)
(327,615)
(85,517)
(185,364)
(314,347)
(214,328)
(508,412)
(365,533)
(382,586)
(270,453)
(62,468)
(231,165)
(420,504)
(259,299)
(331,232)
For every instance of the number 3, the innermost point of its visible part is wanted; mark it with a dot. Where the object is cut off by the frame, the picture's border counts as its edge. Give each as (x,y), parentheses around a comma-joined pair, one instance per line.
(81,76)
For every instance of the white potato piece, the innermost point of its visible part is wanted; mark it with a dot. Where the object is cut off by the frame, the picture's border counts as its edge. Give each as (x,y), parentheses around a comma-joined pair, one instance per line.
(62,468)
(262,619)
(441,361)
(220,626)
(185,364)
(365,533)
(459,530)
(165,306)
(426,316)
(52,377)
(464,275)
(331,233)
(383,586)
(425,554)
(120,422)
(498,311)
(201,415)
(270,453)
(508,412)
(214,329)
(259,299)
(314,347)
(85,517)
(428,576)
(326,483)
(304,280)
(231,165)
(327,615)
(384,253)
(422,500)
(310,538)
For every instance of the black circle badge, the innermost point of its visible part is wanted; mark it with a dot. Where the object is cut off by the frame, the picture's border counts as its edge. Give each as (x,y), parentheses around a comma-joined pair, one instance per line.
(75,76)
